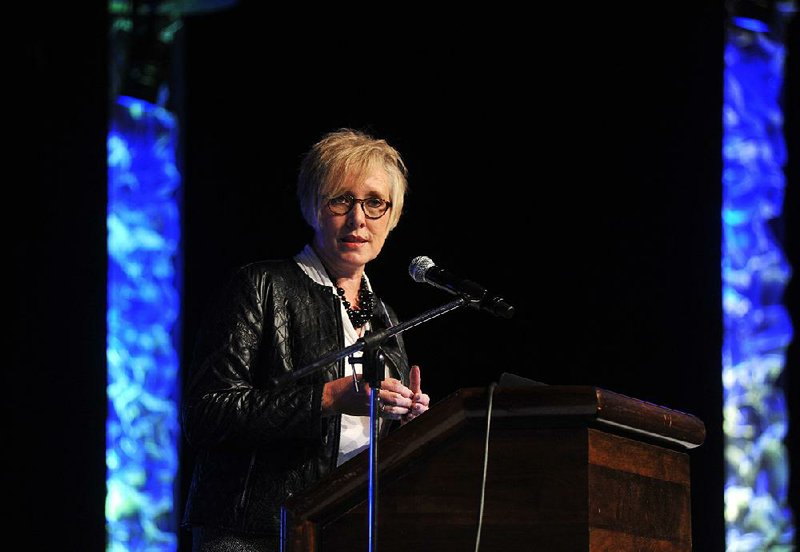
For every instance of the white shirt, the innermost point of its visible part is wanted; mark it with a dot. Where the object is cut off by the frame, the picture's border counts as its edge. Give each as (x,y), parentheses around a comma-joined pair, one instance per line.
(355,430)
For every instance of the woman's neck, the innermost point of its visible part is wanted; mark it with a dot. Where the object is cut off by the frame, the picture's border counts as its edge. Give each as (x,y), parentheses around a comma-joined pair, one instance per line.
(350,285)
(345,277)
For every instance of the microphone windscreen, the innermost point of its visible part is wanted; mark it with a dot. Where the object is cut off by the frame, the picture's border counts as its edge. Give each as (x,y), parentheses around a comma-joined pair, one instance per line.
(419,266)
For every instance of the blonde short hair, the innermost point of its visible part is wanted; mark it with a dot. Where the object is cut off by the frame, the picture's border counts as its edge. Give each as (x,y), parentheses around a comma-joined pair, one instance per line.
(339,155)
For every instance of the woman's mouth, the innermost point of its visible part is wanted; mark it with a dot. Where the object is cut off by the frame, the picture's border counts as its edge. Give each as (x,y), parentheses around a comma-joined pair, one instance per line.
(353,243)
(354,240)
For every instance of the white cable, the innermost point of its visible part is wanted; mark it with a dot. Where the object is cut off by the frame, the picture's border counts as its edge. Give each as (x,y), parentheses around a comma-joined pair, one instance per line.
(485,464)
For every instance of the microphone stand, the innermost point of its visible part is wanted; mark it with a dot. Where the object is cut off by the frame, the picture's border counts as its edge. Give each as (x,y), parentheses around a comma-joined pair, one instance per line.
(373,371)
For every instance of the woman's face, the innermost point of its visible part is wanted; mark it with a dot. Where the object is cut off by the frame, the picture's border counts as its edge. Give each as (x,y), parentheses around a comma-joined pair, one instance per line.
(348,242)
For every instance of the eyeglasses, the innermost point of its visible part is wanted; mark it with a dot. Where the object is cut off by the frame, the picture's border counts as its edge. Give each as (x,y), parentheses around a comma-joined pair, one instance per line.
(373,207)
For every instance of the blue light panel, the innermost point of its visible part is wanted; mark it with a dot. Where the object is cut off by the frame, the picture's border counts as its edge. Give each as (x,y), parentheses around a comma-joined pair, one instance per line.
(144,296)
(755,272)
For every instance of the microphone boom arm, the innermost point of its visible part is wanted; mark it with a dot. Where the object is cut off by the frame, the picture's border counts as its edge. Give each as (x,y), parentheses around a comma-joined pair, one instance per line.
(368,342)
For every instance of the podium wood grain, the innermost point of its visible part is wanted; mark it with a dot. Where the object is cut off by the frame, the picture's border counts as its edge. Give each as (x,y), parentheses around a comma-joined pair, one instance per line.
(570,468)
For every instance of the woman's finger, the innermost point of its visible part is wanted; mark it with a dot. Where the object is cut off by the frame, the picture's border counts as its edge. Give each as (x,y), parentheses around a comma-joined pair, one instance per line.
(415,380)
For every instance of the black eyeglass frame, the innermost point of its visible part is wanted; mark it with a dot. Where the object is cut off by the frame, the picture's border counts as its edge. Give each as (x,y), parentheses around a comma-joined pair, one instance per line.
(353,200)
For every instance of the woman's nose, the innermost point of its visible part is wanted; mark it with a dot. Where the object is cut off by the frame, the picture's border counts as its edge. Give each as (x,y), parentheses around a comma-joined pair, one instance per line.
(356,216)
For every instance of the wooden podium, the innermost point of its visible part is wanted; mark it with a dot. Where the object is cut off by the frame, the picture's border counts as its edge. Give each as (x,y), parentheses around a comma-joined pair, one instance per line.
(569,468)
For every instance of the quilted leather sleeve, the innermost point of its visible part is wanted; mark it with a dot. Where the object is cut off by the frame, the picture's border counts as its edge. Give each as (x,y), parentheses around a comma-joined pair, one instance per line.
(247,341)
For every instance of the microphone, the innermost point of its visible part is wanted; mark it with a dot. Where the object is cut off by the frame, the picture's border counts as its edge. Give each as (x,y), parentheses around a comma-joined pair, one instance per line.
(423,269)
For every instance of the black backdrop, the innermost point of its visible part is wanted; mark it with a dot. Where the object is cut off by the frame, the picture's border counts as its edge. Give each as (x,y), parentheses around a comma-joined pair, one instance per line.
(568,160)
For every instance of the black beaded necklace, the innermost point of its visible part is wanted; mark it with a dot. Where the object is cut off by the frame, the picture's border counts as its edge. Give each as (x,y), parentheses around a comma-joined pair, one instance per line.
(361,315)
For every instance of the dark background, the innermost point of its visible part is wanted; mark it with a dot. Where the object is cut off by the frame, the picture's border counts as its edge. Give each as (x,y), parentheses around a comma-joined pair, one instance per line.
(567,159)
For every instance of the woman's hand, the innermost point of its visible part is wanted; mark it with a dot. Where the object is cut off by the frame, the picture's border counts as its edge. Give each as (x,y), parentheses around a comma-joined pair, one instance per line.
(341,397)
(397,402)
(420,402)
(396,399)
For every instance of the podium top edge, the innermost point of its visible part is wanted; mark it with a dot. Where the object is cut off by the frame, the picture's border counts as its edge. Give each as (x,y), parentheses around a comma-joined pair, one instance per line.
(590,404)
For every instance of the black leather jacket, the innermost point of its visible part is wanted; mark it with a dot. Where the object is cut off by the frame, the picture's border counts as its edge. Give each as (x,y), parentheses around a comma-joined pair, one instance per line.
(254,446)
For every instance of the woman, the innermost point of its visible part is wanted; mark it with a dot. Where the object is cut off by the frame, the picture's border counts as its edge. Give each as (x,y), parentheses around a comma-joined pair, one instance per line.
(257,445)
